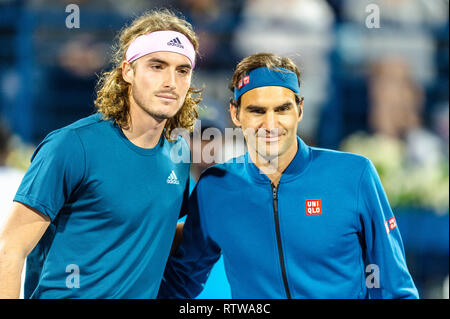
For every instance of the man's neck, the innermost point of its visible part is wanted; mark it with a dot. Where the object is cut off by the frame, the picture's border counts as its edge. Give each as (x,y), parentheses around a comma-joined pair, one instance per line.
(144,130)
(275,167)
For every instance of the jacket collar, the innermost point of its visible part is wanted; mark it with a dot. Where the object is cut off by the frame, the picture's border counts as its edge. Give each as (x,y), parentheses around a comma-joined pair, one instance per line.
(295,168)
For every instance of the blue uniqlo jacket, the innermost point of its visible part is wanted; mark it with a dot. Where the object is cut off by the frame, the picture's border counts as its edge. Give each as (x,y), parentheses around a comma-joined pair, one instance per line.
(326,231)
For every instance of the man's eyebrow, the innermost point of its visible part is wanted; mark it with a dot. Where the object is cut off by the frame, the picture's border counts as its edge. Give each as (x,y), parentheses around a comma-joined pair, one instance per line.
(254,107)
(258,107)
(187,66)
(284,105)
(156,60)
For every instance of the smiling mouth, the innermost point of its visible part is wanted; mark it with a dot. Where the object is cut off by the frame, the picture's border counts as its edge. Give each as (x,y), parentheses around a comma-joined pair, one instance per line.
(269,138)
(272,138)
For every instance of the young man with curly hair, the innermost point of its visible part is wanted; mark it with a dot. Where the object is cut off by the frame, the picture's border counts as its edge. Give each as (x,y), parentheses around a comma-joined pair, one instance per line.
(292,221)
(97,210)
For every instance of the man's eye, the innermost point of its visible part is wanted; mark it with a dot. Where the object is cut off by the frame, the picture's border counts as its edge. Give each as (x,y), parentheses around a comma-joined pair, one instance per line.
(183,71)
(257,111)
(156,66)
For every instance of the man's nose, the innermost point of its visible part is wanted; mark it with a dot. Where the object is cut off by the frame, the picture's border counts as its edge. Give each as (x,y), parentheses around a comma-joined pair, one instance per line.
(269,121)
(169,79)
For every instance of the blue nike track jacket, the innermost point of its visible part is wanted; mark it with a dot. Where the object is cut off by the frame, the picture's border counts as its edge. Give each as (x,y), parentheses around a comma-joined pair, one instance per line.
(326,231)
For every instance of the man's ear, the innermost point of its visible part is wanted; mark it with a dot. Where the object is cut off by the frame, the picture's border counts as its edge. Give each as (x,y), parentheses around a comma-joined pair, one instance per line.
(127,72)
(234,112)
(300,110)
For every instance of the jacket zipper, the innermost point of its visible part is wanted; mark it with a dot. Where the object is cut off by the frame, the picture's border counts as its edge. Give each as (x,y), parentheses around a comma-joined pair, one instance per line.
(280,248)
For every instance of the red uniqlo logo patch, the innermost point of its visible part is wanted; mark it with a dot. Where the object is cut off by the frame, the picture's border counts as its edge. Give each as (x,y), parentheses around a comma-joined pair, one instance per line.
(246,79)
(313,207)
(390,224)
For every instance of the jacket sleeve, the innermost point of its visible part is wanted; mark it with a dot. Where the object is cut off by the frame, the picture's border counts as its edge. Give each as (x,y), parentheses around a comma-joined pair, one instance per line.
(386,270)
(188,269)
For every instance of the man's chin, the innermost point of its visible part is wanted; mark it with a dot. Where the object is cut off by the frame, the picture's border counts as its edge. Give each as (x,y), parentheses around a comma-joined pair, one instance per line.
(160,116)
(160,113)
(268,153)
(268,157)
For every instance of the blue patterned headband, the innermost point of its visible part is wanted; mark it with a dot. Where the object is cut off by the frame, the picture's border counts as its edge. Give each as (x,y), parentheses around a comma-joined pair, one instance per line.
(267,77)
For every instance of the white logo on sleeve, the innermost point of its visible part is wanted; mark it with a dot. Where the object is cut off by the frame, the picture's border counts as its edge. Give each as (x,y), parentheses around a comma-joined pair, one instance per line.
(172,179)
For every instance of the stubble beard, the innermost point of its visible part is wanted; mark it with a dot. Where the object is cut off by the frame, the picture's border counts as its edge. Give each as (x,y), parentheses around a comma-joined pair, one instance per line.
(158,116)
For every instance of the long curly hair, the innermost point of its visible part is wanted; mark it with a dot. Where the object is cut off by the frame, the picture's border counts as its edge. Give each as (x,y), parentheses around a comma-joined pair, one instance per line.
(113,92)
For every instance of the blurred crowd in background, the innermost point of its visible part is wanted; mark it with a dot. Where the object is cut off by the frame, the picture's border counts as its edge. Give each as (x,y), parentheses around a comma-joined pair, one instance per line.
(376,90)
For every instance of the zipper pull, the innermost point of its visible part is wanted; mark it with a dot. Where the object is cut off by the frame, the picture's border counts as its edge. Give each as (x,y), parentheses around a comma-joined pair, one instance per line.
(274,191)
